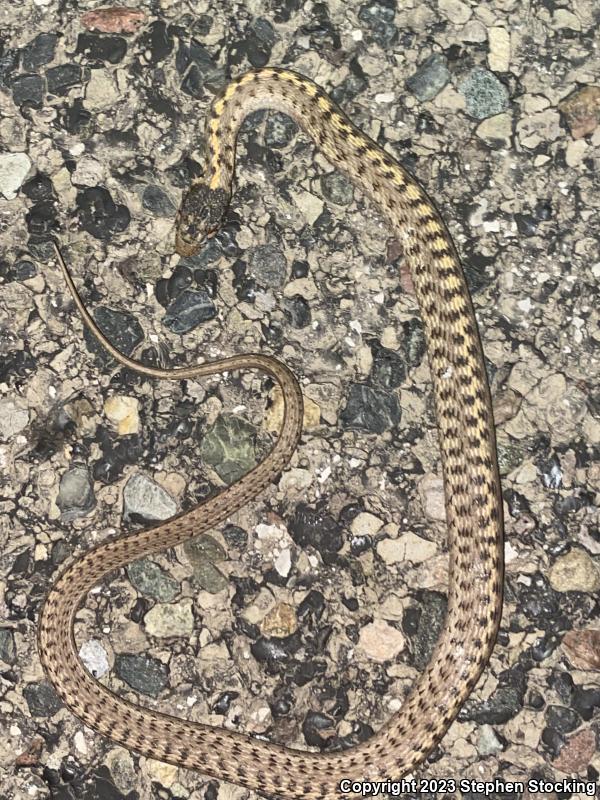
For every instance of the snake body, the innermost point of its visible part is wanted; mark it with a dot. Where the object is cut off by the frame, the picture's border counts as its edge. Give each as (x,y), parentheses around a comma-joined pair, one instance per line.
(467,443)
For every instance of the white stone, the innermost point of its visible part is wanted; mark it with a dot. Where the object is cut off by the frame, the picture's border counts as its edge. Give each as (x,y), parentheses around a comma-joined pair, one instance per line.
(366,524)
(170,619)
(380,642)
(122,411)
(499,55)
(13,418)
(14,168)
(94,657)
(409,547)
(457,12)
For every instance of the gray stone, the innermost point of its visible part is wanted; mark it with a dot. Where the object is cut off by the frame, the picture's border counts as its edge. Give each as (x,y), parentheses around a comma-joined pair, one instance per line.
(484,94)
(76,493)
(145,498)
(151,580)
(229,447)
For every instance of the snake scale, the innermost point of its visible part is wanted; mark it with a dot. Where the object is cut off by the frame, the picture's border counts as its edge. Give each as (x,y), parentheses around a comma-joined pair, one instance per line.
(468,452)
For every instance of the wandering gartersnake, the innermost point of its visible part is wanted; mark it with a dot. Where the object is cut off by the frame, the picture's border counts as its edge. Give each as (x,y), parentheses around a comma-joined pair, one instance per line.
(473,506)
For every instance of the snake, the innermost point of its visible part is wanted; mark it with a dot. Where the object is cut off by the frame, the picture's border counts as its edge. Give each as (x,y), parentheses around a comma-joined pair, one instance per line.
(468,456)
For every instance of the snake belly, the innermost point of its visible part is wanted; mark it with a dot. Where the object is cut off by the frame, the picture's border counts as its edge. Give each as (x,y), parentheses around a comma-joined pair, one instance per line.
(469,463)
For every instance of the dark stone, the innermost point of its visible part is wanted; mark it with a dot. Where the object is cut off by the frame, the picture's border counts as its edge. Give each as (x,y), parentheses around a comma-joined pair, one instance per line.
(235,537)
(312,607)
(505,703)
(62,78)
(189,310)
(99,214)
(413,342)
(280,130)
(585,701)
(122,329)
(370,409)
(157,41)
(275,649)
(182,278)
(39,51)
(423,624)
(378,16)
(430,78)
(526,224)
(8,650)
(562,719)
(144,674)
(42,219)
(223,702)
(157,201)
(268,265)
(28,91)
(76,119)
(316,527)
(41,699)
(38,188)
(388,370)
(313,724)
(297,311)
(9,64)
(100,48)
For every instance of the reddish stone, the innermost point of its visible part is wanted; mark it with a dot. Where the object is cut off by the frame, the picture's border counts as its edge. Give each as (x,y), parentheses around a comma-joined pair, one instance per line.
(583,648)
(576,755)
(113,20)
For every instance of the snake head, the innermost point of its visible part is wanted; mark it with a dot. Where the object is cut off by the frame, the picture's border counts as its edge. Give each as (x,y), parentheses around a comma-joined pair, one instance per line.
(199,217)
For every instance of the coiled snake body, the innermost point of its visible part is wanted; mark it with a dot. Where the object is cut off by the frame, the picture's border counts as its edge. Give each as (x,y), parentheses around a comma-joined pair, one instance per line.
(473,507)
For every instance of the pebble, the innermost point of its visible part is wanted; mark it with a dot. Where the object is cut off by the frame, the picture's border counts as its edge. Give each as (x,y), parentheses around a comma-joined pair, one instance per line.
(99,215)
(76,493)
(62,78)
(28,91)
(150,579)
(39,51)
(144,498)
(173,619)
(279,621)
(408,547)
(380,641)
(484,94)
(496,131)
(268,265)
(499,49)
(576,754)
(122,769)
(454,10)
(157,201)
(189,309)
(93,655)
(583,648)
(581,111)
(575,572)
(8,650)
(123,412)
(14,417)
(370,409)
(14,169)
(41,699)
(433,499)
(366,524)
(228,446)
(146,675)
(113,20)
(488,742)
(430,77)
